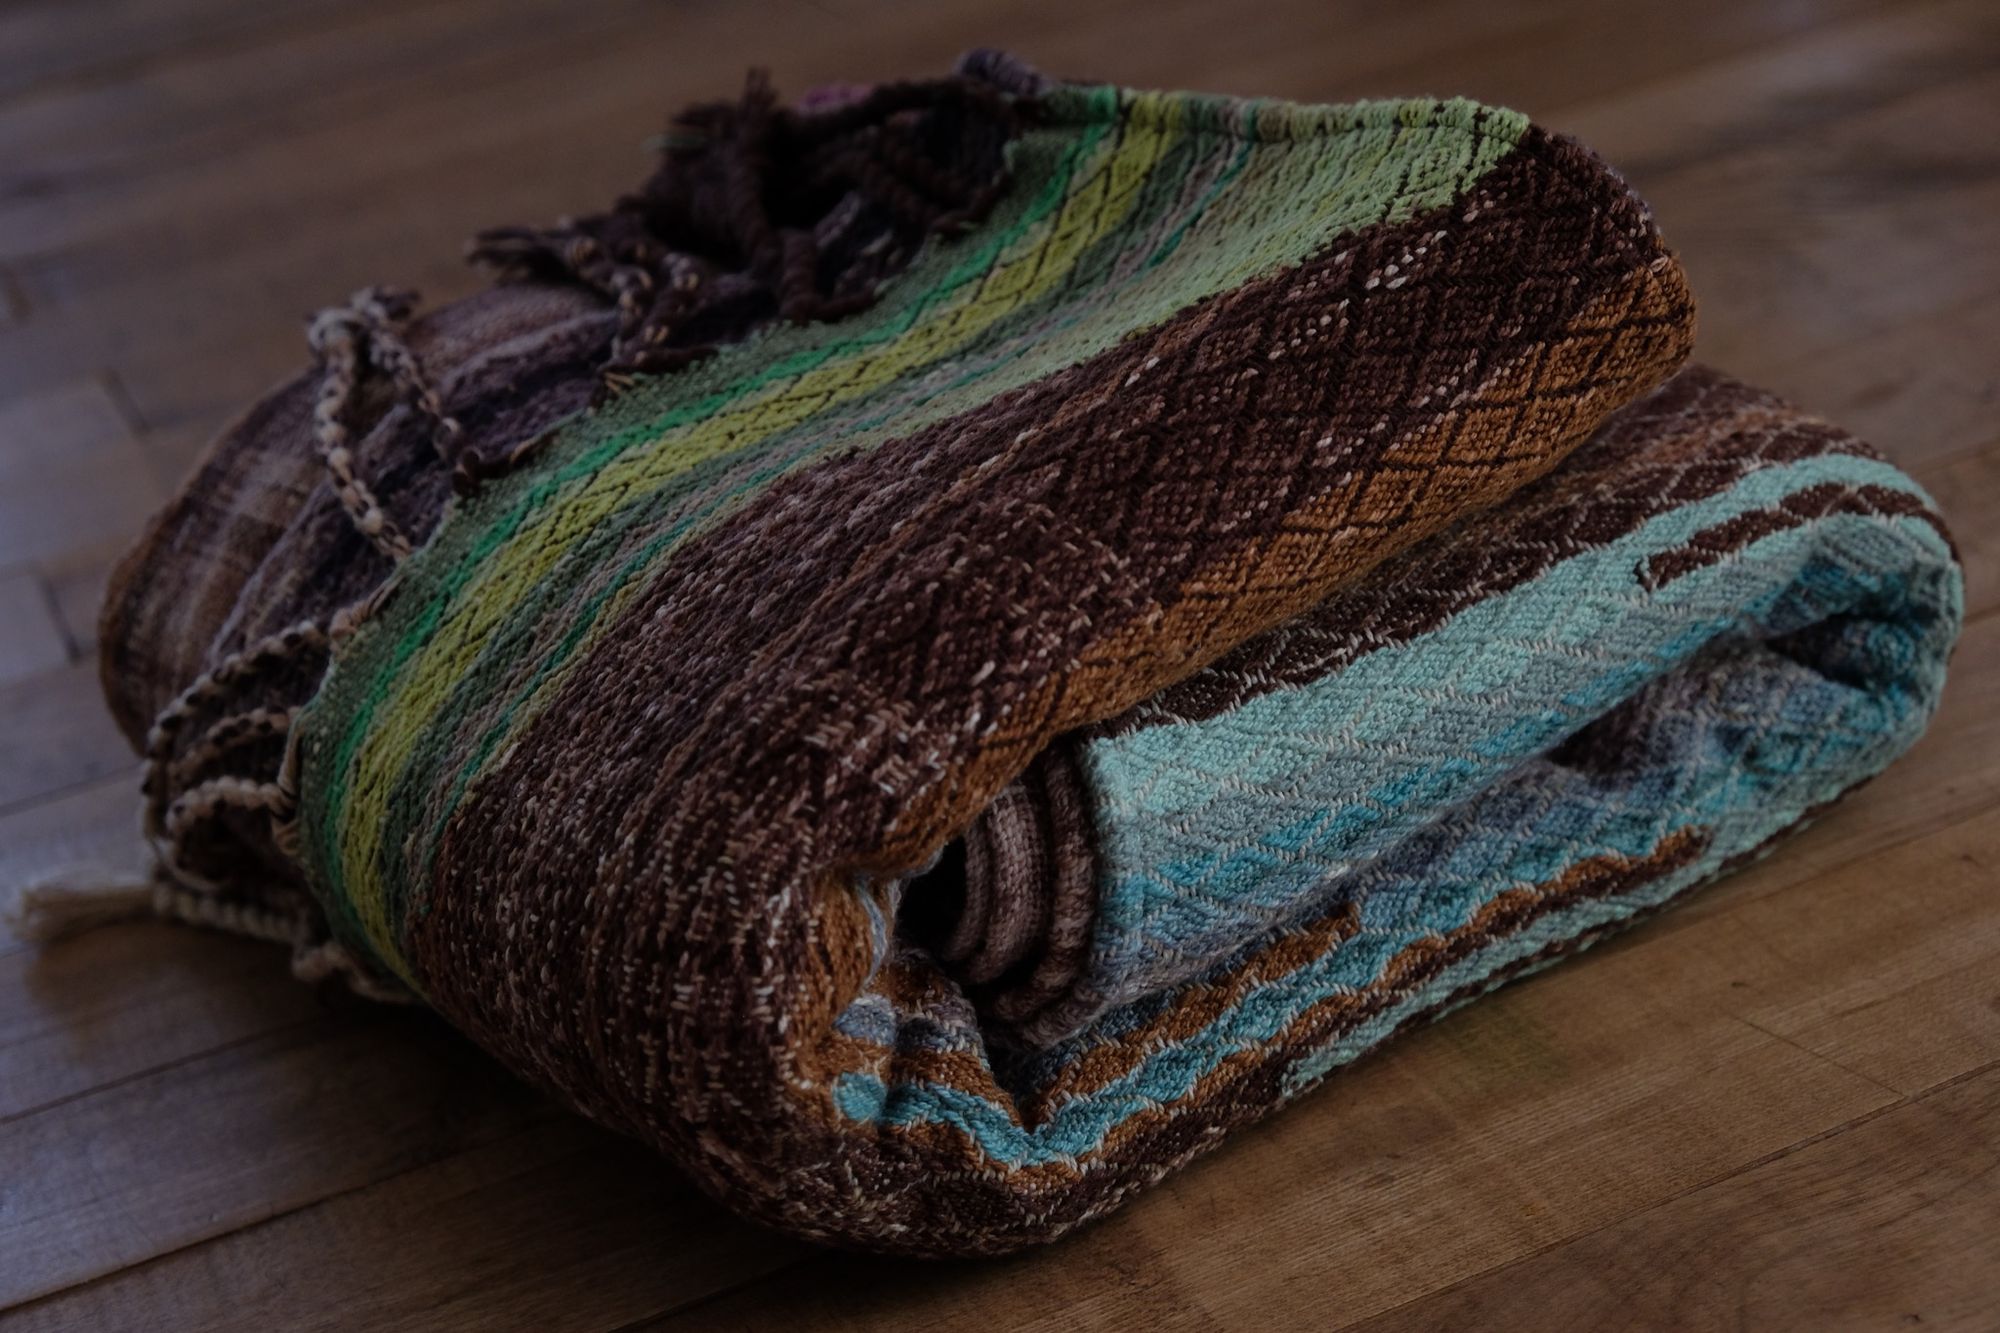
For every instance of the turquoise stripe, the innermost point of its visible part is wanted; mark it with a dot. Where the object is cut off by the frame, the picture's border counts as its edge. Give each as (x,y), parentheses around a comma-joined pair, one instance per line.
(1147,773)
(1741,800)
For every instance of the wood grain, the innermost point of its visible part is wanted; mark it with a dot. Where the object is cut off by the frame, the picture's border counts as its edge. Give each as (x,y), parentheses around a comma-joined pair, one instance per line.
(1893,1222)
(70,441)
(1776,1107)
(35,640)
(54,734)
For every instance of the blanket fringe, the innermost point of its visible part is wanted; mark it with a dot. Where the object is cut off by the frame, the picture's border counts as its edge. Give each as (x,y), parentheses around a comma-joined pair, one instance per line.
(76,900)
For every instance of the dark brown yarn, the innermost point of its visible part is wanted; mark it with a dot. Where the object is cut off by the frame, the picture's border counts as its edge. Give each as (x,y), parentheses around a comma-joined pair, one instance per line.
(729,229)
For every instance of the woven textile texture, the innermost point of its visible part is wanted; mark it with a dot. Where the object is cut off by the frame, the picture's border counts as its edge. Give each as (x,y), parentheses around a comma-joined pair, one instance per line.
(976,636)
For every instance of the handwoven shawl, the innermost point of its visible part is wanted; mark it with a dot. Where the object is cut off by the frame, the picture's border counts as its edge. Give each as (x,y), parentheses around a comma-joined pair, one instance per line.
(993,632)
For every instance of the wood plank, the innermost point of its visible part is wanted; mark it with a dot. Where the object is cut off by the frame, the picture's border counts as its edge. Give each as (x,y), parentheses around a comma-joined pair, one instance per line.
(31,639)
(1799,248)
(124,1001)
(132,144)
(127,232)
(1914,1028)
(238,1136)
(281,223)
(1787,92)
(102,145)
(50,45)
(1573,55)
(13,302)
(1826,189)
(72,475)
(75,580)
(1894,1222)
(1892,972)
(1926,392)
(55,733)
(558,1226)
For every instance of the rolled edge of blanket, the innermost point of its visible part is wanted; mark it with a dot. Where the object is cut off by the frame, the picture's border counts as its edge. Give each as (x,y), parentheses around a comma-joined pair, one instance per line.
(1781,606)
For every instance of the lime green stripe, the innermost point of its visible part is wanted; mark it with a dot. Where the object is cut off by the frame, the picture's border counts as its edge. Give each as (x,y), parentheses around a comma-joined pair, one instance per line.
(419,810)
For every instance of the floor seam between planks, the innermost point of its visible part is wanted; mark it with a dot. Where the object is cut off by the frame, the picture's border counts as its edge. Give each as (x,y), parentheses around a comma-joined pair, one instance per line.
(1872,15)
(1902,1102)
(127,69)
(535,1121)
(1821,1056)
(1537,1251)
(167,1067)
(22,805)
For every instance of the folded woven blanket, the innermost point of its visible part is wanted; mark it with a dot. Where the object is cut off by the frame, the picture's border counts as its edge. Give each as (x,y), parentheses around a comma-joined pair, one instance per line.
(974,636)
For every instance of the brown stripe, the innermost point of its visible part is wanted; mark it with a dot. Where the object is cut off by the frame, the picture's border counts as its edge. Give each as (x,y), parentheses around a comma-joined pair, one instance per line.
(1232,1096)
(1199,1006)
(1528,412)
(1048,981)
(1697,436)
(1714,544)
(1600,877)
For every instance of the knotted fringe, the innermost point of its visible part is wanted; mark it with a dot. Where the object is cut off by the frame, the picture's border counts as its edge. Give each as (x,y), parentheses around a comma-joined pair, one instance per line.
(184,784)
(74,901)
(732,213)
(347,340)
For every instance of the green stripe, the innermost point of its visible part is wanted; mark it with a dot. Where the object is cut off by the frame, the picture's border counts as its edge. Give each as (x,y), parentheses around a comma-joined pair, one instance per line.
(466,545)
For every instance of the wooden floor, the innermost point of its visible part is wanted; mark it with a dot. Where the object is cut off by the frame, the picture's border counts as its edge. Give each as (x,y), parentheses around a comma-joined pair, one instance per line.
(1777,1107)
